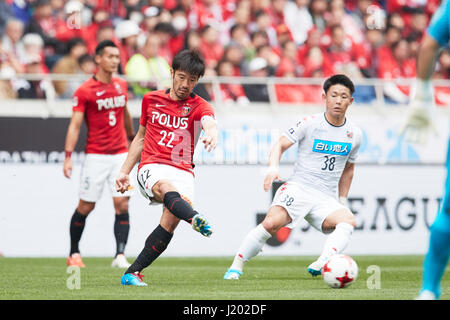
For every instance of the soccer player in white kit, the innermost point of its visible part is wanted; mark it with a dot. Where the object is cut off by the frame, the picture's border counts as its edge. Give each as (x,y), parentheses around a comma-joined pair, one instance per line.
(317,190)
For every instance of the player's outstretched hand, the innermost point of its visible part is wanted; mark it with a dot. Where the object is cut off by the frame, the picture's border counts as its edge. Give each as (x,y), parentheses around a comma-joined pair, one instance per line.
(67,168)
(270,178)
(123,182)
(210,142)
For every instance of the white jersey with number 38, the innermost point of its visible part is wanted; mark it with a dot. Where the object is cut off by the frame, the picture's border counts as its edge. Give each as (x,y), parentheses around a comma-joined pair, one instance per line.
(323,151)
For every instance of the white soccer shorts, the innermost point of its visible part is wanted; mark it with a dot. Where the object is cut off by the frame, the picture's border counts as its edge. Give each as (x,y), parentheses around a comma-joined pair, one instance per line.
(151,173)
(97,170)
(304,202)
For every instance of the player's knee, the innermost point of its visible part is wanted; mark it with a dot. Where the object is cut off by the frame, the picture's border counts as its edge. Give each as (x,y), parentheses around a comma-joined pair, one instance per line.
(121,205)
(276,218)
(350,219)
(84,207)
(161,188)
(341,216)
(271,225)
(353,223)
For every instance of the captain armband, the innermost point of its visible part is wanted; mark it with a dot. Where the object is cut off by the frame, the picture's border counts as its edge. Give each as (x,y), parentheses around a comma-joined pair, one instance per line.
(204,118)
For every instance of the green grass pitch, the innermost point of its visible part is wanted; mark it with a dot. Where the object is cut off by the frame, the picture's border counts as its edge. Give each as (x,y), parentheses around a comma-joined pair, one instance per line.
(265,278)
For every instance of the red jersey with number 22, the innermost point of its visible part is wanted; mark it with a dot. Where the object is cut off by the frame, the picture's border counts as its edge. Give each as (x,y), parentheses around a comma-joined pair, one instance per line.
(103,106)
(172,128)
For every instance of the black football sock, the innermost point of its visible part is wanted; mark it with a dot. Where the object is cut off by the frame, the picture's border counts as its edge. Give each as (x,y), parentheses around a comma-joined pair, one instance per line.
(121,230)
(179,207)
(155,244)
(76,229)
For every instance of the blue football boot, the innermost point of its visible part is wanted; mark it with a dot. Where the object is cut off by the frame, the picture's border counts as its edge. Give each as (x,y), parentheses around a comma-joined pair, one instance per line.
(133,279)
(232,274)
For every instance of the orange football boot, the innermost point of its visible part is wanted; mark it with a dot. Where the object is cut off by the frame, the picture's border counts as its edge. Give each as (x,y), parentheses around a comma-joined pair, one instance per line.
(75,261)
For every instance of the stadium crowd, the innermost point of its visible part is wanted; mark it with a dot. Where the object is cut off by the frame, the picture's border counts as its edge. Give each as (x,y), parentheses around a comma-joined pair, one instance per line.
(257,38)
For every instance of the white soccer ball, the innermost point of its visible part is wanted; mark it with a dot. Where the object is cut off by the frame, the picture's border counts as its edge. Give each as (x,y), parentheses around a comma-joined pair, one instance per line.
(340,271)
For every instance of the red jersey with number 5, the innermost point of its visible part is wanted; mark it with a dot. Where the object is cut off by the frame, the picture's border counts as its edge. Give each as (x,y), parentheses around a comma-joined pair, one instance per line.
(172,128)
(103,106)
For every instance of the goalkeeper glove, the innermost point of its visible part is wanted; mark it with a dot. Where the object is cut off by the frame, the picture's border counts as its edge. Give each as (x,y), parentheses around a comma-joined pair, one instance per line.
(421,114)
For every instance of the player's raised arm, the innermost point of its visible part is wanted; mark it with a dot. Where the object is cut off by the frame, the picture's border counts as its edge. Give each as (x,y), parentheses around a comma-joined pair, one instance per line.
(346,181)
(134,152)
(73,132)
(274,160)
(211,134)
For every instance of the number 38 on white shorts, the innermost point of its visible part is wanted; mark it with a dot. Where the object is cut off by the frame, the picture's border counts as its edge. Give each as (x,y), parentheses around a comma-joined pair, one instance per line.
(305,202)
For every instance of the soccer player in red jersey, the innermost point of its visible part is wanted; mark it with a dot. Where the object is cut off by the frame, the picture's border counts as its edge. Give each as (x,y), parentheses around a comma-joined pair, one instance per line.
(102,102)
(170,126)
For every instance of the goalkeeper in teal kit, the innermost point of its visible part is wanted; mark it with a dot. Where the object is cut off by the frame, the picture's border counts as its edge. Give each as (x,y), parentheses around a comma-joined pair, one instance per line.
(419,120)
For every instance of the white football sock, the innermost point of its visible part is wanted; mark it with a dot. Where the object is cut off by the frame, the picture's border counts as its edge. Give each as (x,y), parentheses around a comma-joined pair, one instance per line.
(336,241)
(250,247)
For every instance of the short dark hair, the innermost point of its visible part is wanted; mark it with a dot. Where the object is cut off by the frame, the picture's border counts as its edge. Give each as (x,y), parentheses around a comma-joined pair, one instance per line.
(258,33)
(72,43)
(260,13)
(392,27)
(85,58)
(102,45)
(339,79)
(166,27)
(205,28)
(262,47)
(235,27)
(190,61)
(396,43)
